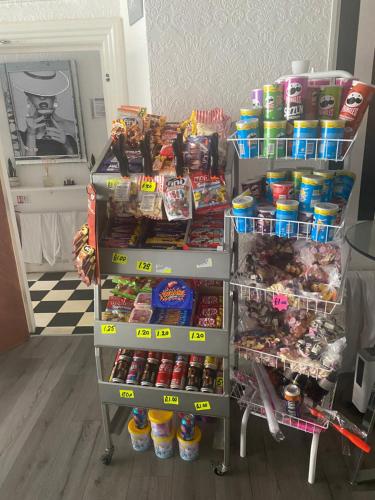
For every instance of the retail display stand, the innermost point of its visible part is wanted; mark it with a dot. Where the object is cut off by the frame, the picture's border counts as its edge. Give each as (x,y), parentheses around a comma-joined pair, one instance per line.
(243,290)
(199,264)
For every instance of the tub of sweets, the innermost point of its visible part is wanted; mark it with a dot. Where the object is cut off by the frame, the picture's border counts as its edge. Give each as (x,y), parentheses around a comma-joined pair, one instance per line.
(303,130)
(161,422)
(273,176)
(327,190)
(281,190)
(163,446)
(324,215)
(330,145)
(272,148)
(343,184)
(245,206)
(189,450)
(247,129)
(310,191)
(140,438)
(297,175)
(286,215)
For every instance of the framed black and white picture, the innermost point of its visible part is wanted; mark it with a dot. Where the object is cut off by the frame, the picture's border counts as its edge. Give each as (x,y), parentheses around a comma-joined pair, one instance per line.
(43,109)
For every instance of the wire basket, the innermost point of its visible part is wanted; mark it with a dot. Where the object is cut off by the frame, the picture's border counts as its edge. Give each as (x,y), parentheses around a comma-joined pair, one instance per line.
(281,148)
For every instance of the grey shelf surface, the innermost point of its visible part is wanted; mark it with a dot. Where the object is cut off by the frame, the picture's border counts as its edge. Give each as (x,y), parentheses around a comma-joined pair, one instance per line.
(215,343)
(200,264)
(153,397)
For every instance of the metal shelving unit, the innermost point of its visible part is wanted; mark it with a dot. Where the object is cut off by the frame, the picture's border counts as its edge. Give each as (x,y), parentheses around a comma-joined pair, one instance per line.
(200,264)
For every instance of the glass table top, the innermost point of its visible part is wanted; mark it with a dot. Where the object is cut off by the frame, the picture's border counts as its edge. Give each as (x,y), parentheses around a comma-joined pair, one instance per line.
(361,237)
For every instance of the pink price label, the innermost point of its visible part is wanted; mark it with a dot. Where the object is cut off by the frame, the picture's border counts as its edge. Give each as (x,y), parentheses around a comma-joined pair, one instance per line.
(280,302)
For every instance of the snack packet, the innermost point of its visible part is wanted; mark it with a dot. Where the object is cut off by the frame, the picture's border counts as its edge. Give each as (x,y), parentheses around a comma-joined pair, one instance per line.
(151,197)
(177,198)
(209,193)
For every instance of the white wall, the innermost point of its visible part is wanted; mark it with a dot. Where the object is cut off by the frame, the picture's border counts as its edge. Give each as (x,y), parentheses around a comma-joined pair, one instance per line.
(213,52)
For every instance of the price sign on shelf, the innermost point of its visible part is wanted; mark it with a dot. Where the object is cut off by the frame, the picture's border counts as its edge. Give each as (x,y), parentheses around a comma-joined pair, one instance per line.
(280,302)
(109,329)
(144,266)
(119,258)
(143,333)
(163,333)
(170,400)
(126,394)
(112,183)
(202,405)
(197,336)
(219,382)
(148,186)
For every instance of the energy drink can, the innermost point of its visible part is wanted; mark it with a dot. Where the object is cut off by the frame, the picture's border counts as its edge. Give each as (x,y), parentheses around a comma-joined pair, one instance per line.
(273,102)
(292,396)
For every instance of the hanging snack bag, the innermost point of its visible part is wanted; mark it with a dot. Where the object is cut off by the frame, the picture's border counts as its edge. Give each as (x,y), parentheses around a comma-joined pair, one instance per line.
(209,192)
(151,197)
(123,202)
(177,198)
(196,153)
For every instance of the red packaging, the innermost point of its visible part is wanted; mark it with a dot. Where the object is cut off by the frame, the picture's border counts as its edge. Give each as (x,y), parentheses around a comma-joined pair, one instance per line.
(281,190)
(179,375)
(167,357)
(164,375)
(207,322)
(154,357)
(135,371)
(196,360)
(355,106)
(140,355)
(211,300)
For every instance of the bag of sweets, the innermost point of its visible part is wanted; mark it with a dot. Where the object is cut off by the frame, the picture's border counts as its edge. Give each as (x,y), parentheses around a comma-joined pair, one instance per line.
(177,198)
(151,197)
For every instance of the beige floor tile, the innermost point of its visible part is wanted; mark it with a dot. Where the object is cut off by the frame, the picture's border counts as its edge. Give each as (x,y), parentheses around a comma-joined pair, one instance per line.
(34,276)
(106,294)
(58,330)
(82,286)
(42,319)
(71,275)
(43,285)
(87,319)
(58,295)
(35,303)
(75,306)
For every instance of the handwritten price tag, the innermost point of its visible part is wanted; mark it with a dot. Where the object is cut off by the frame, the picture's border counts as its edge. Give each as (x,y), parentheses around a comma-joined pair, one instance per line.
(163,333)
(112,183)
(109,329)
(119,258)
(280,302)
(202,406)
(144,266)
(148,186)
(126,394)
(170,400)
(197,336)
(143,333)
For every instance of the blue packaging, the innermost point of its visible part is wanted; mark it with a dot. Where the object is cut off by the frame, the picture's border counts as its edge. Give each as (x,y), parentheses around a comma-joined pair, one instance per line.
(245,206)
(172,294)
(304,129)
(327,189)
(310,192)
(247,129)
(324,215)
(331,129)
(286,212)
(343,184)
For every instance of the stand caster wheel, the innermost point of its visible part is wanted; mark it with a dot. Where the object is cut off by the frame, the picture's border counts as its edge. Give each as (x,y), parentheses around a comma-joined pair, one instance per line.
(106,458)
(220,469)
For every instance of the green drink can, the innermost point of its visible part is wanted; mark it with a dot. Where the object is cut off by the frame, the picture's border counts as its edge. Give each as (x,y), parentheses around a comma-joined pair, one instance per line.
(273,104)
(329,102)
(273,131)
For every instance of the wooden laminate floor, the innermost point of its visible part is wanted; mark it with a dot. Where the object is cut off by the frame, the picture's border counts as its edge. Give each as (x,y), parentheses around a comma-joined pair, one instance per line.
(51,440)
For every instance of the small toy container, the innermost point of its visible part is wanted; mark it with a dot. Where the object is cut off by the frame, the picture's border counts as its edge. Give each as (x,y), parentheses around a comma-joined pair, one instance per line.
(140,438)
(161,422)
(163,446)
(189,450)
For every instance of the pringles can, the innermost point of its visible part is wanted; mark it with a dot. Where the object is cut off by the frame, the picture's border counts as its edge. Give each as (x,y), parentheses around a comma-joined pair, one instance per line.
(286,215)
(273,102)
(272,147)
(329,102)
(355,106)
(257,98)
(345,84)
(330,144)
(295,88)
(311,103)
(310,192)
(247,130)
(245,206)
(273,176)
(297,176)
(249,113)
(343,184)
(303,130)
(327,190)
(325,215)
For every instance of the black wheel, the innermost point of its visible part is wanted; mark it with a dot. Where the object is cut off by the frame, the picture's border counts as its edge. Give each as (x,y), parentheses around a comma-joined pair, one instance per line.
(220,469)
(106,458)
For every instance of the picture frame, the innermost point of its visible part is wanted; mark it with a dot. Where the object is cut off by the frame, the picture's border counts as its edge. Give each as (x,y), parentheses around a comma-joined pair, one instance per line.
(135,11)
(44,111)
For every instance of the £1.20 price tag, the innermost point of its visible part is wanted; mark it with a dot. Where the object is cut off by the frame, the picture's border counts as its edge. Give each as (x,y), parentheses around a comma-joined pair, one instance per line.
(126,394)
(280,302)
(143,333)
(148,186)
(170,400)
(119,258)
(109,329)
(202,406)
(144,266)
(197,336)
(163,333)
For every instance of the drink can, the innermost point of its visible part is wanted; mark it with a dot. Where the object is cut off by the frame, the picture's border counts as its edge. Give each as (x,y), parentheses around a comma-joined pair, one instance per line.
(164,376)
(179,375)
(272,147)
(154,357)
(295,88)
(310,192)
(329,102)
(167,357)
(196,360)
(140,355)
(187,426)
(219,382)
(292,396)
(324,215)
(257,98)
(140,417)
(211,362)
(273,102)
(127,353)
(120,371)
(135,371)
(355,106)
(194,378)
(149,374)
(182,358)
(208,379)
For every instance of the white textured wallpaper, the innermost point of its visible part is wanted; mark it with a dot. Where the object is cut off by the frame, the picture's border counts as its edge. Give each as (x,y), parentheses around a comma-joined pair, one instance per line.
(206,53)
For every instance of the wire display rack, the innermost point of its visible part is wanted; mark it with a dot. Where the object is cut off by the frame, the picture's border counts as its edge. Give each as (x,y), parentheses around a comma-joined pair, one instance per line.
(281,148)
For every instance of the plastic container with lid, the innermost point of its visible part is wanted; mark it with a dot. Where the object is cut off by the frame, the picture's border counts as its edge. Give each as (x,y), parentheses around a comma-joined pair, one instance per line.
(310,192)
(244,205)
(161,422)
(332,133)
(303,130)
(163,446)
(140,438)
(189,450)
(324,215)
(286,217)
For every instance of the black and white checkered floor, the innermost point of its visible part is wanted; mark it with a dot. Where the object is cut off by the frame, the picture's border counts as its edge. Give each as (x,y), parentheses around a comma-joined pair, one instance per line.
(62,304)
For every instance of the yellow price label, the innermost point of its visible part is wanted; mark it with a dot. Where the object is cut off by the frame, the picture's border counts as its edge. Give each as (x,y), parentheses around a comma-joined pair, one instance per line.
(219,381)
(111,183)
(144,266)
(148,186)
(170,400)
(119,258)
(126,394)
(109,329)
(143,333)
(197,336)
(202,405)
(163,333)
